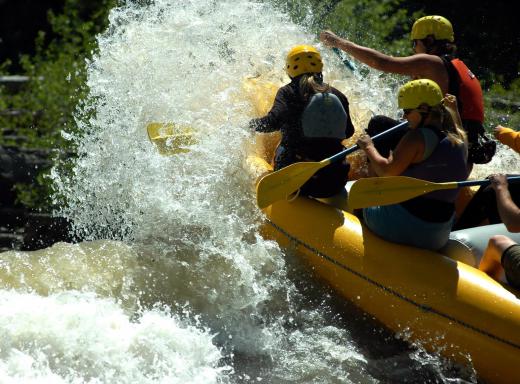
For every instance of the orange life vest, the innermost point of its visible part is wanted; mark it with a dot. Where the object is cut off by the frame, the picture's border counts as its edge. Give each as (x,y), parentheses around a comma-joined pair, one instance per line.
(470,93)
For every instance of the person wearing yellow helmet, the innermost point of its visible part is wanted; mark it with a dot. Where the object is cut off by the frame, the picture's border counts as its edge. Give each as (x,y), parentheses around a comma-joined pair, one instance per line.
(313,118)
(434,58)
(434,149)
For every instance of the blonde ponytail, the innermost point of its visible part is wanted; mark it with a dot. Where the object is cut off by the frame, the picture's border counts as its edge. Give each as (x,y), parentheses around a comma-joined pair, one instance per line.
(451,124)
(311,83)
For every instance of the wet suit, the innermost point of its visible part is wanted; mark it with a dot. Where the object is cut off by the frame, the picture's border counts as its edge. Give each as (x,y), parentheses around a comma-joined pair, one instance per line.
(286,116)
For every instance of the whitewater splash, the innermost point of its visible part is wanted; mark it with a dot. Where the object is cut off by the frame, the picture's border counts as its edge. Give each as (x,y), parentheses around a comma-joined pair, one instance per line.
(190,292)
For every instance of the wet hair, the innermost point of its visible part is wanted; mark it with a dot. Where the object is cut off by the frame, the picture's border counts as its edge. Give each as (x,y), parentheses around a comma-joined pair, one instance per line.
(311,83)
(439,47)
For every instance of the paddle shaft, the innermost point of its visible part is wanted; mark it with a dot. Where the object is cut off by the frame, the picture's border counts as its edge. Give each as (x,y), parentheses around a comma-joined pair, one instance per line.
(281,183)
(470,183)
(348,151)
(387,190)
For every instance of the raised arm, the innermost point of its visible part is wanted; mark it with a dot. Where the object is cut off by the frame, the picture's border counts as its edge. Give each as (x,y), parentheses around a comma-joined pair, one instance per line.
(420,65)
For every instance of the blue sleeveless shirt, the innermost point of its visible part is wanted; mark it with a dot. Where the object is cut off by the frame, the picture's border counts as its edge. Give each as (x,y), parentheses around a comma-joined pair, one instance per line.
(443,162)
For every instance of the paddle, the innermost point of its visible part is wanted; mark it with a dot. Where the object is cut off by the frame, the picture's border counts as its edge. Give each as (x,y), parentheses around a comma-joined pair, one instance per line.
(395,189)
(344,59)
(280,184)
(171,138)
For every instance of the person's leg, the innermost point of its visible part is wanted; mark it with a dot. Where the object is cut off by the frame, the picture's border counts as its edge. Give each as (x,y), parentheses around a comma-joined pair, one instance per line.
(395,224)
(491,260)
(379,124)
(283,158)
(328,181)
(483,206)
(511,265)
(478,209)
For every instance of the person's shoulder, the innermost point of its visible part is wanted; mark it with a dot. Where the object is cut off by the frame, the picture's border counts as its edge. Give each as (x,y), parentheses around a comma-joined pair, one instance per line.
(287,90)
(414,136)
(428,57)
(286,87)
(338,93)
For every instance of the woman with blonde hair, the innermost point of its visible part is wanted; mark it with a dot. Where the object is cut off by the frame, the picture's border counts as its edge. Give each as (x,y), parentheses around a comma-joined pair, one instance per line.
(434,149)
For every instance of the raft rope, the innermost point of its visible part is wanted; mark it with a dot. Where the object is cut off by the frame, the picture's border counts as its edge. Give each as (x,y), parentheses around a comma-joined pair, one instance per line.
(425,308)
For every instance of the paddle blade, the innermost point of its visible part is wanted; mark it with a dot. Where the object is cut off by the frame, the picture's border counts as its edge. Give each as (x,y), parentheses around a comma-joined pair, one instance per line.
(170,138)
(390,190)
(279,185)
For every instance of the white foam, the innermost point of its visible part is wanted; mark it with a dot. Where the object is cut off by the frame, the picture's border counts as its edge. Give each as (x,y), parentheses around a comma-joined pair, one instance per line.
(75,337)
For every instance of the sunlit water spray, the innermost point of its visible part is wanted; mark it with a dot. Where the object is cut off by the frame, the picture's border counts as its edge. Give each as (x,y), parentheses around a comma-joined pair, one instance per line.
(190,292)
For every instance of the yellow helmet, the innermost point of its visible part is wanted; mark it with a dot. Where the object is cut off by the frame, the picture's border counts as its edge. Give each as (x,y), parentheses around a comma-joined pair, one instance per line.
(438,26)
(417,92)
(303,59)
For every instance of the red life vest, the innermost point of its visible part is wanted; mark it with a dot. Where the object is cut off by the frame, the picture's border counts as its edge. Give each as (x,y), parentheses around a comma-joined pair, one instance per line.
(470,93)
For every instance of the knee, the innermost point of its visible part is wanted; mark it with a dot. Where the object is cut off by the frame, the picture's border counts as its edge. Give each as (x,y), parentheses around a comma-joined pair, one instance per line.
(380,123)
(500,243)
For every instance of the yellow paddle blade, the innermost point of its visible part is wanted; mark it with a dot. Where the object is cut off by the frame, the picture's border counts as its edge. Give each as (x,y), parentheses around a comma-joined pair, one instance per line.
(170,138)
(390,190)
(279,185)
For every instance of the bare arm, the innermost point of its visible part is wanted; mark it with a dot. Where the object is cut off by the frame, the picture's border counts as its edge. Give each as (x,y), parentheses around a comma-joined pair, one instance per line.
(409,150)
(274,118)
(420,65)
(507,209)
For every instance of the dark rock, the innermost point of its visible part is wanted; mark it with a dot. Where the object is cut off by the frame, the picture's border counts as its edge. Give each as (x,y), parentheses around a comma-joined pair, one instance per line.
(10,241)
(21,229)
(43,230)
(21,166)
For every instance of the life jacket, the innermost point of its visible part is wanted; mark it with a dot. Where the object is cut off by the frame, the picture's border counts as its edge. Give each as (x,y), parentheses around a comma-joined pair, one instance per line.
(465,85)
(324,117)
(446,162)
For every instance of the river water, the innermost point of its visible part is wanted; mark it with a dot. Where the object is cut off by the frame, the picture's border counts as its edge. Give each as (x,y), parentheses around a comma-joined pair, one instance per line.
(174,284)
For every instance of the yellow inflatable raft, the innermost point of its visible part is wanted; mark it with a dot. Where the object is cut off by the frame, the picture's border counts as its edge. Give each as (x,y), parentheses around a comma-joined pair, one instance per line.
(439,300)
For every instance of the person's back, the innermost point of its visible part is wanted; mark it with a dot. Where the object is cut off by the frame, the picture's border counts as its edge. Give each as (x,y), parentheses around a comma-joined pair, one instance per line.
(313,118)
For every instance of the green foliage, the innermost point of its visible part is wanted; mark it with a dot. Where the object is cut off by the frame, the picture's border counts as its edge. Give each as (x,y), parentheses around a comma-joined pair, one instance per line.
(35,196)
(502,105)
(57,84)
(381,25)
